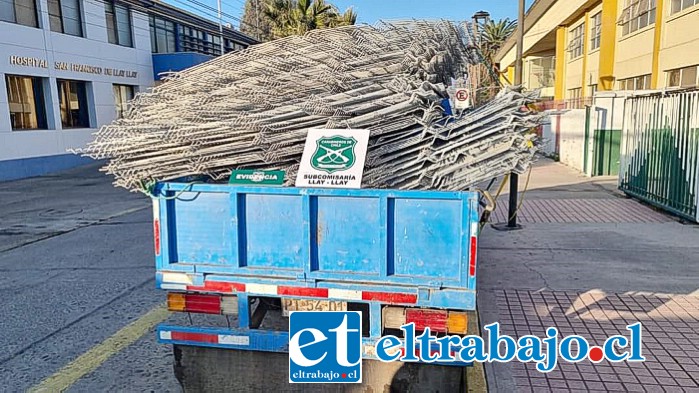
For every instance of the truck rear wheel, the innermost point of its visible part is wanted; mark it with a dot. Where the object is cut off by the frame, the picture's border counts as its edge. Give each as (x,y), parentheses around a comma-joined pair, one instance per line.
(201,369)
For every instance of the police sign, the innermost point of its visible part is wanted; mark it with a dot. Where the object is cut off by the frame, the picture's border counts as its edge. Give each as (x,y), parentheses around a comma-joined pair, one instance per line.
(333,158)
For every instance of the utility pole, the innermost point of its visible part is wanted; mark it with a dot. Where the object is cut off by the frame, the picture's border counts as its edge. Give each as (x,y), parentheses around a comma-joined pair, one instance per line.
(220,27)
(514,178)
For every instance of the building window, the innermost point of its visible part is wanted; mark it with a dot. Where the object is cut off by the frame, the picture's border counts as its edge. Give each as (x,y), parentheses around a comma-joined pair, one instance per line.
(162,35)
(22,12)
(596,31)
(636,15)
(575,100)
(25,95)
(641,82)
(679,5)
(195,40)
(575,46)
(72,96)
(682,77)
(542,72)
(216,44)
(232,46)
(64,17)
(122,95)
(118,23)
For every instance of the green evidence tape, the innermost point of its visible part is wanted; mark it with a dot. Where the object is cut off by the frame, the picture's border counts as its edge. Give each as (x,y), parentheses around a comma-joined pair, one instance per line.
(256,177)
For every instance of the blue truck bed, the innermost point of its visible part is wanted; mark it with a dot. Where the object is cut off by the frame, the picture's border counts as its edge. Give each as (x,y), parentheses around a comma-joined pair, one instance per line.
(379,247)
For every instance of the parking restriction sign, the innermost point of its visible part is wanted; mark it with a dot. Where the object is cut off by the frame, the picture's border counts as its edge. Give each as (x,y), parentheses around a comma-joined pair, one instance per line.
(463,99)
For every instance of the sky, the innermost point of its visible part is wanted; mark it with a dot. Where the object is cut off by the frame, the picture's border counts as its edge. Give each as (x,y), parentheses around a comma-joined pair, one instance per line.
(370,11)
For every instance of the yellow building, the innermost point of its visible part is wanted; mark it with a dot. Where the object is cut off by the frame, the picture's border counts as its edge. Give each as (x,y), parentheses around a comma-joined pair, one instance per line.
(574,48)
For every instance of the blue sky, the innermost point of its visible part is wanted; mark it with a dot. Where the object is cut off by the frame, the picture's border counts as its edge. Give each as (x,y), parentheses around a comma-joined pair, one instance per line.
(370,11)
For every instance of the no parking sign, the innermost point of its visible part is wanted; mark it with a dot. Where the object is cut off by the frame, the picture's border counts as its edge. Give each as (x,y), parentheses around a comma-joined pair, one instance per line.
(462,99)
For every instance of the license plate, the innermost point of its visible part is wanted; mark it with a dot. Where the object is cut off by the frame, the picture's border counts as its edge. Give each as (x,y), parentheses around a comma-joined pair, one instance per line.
(289,305)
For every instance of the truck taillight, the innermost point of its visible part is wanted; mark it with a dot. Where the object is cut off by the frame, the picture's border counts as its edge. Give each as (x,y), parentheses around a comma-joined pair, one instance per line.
(175,301)
(457,322)
(437,320)
(229,305)
(208,304)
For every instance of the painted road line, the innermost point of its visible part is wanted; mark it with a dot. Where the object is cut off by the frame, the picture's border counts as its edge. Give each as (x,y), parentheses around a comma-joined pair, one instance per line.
(90,360)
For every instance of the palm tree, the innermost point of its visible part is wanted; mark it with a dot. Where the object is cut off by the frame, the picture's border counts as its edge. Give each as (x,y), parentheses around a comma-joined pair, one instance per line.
(278,12)
(494,34)
(348,18)
(254,23)
(295,17)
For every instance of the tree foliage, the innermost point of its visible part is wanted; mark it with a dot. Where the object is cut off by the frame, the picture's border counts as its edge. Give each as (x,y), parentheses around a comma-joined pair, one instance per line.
(282,18)
(493,35)
(254,22)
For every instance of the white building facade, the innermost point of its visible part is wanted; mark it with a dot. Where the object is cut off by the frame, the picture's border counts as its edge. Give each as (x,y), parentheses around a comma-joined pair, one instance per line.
(67,67)
(61,77)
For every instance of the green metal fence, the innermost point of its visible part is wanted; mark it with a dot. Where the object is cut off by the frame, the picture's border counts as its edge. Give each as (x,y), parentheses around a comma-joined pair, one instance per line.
(606,150)
(660,149)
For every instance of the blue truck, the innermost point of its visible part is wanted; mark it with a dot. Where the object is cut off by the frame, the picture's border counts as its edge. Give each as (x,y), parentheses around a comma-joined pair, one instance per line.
(242,253)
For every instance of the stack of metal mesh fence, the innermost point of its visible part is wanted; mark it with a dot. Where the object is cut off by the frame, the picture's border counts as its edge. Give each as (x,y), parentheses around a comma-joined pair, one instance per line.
(252,109)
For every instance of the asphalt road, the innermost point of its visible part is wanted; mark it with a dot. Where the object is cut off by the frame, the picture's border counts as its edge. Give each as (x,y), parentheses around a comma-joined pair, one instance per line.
(76,257)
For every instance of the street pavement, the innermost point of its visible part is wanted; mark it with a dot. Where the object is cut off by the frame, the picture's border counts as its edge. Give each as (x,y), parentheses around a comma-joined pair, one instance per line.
(590,261)
(76,255)
(77,261)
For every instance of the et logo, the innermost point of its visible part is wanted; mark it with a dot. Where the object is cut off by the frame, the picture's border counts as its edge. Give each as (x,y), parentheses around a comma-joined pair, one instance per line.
(325,347)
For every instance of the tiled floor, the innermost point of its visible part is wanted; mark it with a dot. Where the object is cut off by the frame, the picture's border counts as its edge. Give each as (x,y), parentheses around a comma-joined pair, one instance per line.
(606,210)
(670,339)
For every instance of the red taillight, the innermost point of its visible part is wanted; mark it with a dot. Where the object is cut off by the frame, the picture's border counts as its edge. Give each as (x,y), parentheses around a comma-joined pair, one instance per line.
(472,258)
(209,304)
(455,322)
(156,236)
(436,320)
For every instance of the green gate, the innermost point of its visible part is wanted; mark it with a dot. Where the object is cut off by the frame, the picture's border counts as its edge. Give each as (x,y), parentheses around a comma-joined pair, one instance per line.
(606,150)
(660,146)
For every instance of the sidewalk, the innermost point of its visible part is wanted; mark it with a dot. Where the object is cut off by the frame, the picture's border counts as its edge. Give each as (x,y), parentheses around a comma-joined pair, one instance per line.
(589,262)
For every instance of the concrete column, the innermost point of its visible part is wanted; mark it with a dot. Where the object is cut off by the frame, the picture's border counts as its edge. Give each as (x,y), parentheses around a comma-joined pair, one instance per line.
(559,90)
(586,50)
(657,42)
(608,40)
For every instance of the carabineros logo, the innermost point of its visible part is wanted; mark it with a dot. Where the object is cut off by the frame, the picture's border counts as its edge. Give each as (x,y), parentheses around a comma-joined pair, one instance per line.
(333,154)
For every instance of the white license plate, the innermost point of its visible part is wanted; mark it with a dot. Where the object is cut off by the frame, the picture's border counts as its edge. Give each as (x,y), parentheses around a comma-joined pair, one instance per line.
(289,305)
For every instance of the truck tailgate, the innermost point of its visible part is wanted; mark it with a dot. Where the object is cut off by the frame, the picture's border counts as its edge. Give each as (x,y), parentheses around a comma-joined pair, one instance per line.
(375,237)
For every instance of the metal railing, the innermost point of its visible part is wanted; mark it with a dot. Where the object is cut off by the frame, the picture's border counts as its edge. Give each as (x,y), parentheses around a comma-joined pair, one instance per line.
(660,150)
(571,103)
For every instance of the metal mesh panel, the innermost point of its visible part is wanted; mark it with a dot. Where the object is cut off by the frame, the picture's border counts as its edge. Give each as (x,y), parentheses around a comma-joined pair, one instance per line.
(252,109)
